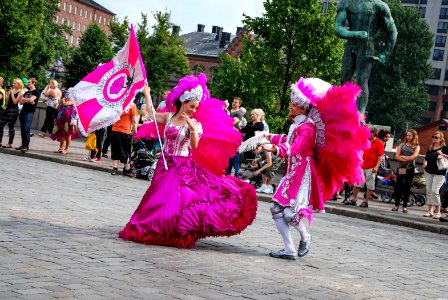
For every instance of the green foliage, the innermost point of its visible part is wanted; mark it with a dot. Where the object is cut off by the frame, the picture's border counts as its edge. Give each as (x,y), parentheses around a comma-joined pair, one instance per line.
(163,53)
(398,95)
(50,45)
(119,33)
(94,49)
(30,41)
(293,38)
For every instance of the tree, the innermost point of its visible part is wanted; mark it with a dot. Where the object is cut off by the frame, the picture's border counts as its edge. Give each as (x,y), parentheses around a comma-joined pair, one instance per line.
(293,38)
(18,35)
(94,49)
(119,33)
(50,45)
(398,92)
(163,52)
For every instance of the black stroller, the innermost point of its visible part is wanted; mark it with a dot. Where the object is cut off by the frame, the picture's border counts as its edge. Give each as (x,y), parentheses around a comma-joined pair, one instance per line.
(389,178)
(144,160)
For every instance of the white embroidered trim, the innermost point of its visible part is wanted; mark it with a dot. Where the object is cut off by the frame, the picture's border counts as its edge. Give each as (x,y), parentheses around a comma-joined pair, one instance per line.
(194,94)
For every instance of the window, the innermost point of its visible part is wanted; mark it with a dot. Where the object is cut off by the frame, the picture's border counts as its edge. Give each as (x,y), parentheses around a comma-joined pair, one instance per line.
(73,25)
(443,13)
(438,54)
(71,39)
(445,106)
(77,41)
(433,90)
(68,23)
(91,15)
(440,41)
(99,20)
(436,73)
(423,12)
(62,21)
(442,128)
(446,75)
(57,19)
(432,106)
(104,21)
(80,12)
(426,121)
(95,17)
(85,16)
(84,27)
(70,8)
(76,10)
(79,26)
(65,6)
(444,2)
(442,27)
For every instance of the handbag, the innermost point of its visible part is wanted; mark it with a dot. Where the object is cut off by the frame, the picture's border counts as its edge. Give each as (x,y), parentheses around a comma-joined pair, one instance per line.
(442,163)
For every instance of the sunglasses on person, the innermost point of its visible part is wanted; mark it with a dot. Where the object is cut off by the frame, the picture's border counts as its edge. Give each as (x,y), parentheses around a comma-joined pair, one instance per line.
(435,137)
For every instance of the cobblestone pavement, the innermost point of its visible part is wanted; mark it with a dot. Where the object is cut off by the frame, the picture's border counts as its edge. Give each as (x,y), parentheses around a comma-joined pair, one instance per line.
(58,239)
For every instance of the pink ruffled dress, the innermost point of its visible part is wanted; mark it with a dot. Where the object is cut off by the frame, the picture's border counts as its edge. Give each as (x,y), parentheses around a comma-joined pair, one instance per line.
(186,203)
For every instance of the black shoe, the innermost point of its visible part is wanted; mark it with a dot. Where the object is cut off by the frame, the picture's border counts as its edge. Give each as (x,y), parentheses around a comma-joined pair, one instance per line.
(441,219)
(350,202)
(114,171)
(18,148)
(374,196)
(31,134)
(24,149)
(128,173)
(304,248)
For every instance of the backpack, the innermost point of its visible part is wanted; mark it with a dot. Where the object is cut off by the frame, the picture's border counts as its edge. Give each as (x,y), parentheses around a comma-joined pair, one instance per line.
(91,142)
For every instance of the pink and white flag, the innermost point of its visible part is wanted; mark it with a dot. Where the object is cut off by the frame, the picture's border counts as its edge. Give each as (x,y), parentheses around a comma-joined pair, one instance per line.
(103,95)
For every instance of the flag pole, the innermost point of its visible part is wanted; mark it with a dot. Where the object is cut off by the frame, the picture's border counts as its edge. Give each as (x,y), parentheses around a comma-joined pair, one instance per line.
(157,130)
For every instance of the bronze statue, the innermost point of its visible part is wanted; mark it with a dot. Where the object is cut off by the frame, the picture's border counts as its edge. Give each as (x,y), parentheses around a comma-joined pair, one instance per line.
(364,18)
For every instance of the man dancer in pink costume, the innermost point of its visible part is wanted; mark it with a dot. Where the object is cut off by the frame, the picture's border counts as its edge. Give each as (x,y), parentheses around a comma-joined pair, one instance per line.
(308,181)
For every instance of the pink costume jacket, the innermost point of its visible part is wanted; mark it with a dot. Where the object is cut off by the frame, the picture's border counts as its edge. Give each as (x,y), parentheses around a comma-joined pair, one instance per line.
(299,188)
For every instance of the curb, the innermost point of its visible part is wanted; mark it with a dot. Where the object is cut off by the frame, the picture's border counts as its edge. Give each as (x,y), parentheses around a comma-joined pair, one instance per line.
(375,216)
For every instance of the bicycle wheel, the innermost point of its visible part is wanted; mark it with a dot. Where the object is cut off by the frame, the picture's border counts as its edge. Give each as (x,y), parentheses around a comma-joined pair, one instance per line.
(386,197)
(420,200)
(411,200)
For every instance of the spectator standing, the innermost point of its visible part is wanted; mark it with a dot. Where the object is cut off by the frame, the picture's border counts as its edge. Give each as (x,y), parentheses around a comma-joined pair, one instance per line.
(235,113)
(434,177)
(65,125)
(371,161)
(107,140)
(121,140)
(2,96)
(407,152)
(10,114)
(53,96)
(95,155)
(29,102)
(251,128)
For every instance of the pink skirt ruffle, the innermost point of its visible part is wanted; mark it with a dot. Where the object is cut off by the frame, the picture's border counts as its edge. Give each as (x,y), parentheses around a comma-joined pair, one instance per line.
(186,203)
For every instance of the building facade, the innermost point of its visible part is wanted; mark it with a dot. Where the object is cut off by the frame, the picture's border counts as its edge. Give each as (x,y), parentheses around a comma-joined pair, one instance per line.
(78,14)
(203,48)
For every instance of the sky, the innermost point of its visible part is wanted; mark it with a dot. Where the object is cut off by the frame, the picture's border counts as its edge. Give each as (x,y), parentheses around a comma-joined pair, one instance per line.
(189,13)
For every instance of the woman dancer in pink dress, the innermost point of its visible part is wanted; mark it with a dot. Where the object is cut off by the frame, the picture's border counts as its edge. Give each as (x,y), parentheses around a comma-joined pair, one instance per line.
(191,199)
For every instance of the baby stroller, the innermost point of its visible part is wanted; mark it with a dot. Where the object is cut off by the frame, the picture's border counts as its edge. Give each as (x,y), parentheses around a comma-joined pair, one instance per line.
(389,178)
(144,160)
(246,173)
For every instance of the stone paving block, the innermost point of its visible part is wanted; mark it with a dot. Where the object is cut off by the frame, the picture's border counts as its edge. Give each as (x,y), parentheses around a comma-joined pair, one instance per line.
(33,291)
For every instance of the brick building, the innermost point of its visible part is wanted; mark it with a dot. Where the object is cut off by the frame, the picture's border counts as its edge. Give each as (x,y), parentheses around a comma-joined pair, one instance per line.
(78,14)
(203,48)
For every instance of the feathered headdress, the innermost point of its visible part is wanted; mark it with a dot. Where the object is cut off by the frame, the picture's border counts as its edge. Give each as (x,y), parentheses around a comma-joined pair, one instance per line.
(188,88)
(308,91)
